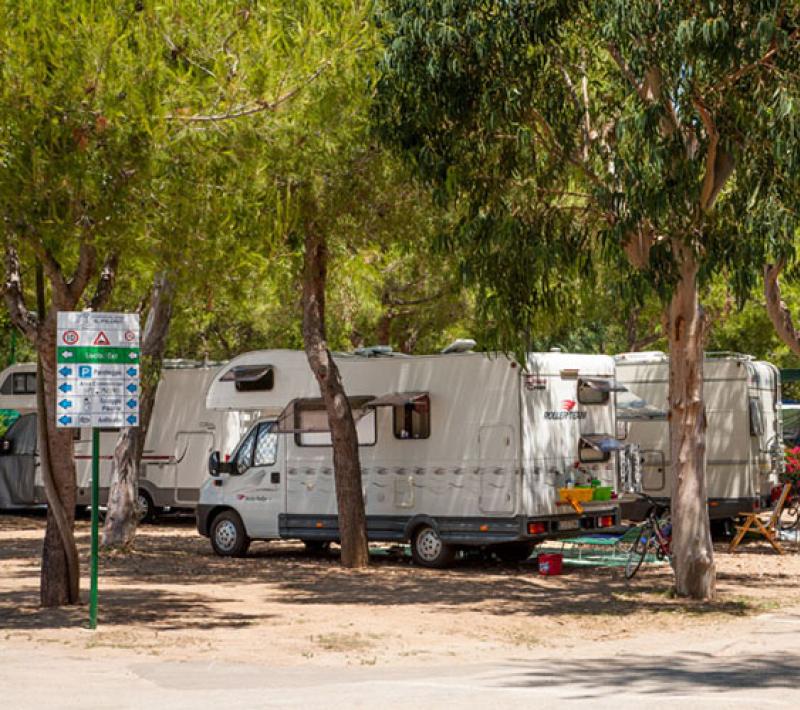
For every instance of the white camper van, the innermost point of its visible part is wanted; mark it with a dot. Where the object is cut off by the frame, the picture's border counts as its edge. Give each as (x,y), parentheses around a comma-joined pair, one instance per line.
(743,434)
(456,449)
(181,435)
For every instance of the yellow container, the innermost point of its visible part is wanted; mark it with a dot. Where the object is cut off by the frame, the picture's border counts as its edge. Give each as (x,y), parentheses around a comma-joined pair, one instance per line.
(577,495)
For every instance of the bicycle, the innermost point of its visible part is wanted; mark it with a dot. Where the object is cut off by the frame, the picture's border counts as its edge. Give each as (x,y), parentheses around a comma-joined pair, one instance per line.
(654,535)
(791,511)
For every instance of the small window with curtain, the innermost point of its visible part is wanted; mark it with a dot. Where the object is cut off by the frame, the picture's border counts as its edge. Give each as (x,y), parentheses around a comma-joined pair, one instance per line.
(594,391)
(756,418)
(24,383)
(412,420)
(251,378)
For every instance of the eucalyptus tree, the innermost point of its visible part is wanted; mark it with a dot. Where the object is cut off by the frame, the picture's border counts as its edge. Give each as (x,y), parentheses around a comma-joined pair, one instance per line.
(76,101)
(661,137)
(284,84)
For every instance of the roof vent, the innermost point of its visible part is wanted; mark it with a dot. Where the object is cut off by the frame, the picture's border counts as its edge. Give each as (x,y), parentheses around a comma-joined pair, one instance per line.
(462,345)
(374,350)
(555,350)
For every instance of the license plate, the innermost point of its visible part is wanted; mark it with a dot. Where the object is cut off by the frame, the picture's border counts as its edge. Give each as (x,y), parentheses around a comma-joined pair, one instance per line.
(569,524)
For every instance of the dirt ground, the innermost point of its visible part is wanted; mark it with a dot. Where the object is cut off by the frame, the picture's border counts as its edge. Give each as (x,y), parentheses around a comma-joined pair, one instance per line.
(173,598)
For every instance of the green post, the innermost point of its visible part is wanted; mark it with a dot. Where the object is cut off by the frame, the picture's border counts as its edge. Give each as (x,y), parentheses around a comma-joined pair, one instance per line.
(95,518)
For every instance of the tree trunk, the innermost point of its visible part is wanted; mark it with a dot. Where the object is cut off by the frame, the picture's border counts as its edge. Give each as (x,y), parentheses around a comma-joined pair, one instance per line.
(692,549)
(346,464)
(60,573)
(120,525)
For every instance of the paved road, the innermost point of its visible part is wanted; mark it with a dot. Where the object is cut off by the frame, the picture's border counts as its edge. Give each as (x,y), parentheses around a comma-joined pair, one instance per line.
(755,662)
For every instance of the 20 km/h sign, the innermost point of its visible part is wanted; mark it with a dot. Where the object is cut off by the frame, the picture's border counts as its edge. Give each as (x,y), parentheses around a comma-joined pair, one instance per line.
(98,369)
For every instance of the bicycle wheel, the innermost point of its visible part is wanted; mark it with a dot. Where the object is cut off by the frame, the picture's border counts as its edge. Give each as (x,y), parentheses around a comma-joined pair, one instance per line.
(638,551)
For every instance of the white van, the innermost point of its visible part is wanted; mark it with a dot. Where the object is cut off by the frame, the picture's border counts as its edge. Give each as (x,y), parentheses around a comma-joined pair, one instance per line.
(181,435)
(744,455)
(456,449)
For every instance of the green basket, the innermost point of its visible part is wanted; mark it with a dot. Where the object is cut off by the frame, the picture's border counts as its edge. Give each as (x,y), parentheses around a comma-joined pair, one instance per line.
(602,493)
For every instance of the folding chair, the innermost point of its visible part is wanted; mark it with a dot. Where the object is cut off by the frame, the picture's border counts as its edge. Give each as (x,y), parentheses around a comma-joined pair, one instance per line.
(754,523)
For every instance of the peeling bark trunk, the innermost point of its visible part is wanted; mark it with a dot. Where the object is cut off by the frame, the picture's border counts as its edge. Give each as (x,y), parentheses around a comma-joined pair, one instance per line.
(346,464)
(60,572)
(693,553)
(121,519)
(777,310)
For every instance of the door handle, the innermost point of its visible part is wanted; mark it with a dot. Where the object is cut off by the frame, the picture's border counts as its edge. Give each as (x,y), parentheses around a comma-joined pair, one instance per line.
(275,477)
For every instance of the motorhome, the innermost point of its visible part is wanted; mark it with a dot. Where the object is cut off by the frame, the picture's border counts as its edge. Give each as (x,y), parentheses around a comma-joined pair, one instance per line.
(456,449)
(743,427)
(181,435)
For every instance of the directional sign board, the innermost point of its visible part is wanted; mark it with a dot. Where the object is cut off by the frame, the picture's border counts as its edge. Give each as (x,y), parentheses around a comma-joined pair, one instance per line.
(98,369)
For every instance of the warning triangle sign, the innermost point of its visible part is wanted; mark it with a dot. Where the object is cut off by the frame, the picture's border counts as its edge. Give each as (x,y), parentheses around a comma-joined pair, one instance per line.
(101,339)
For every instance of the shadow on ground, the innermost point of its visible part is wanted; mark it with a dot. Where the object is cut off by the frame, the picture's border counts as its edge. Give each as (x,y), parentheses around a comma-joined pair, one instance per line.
(677,674)
(173,580)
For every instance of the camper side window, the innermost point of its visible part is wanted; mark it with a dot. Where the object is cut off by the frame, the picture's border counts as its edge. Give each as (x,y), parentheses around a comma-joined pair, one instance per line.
(413,421)
(244,456)
(311,423)
(22,383)
(589,393)
(589,454)
(756,420)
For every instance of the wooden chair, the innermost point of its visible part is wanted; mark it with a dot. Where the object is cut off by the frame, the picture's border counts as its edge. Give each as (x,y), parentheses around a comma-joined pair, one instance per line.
(754,523)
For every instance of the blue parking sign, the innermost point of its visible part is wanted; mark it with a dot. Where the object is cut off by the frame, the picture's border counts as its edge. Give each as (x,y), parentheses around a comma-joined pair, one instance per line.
(84,370)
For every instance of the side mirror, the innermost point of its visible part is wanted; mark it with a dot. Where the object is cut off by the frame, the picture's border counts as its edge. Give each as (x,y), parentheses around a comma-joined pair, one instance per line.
(214,464)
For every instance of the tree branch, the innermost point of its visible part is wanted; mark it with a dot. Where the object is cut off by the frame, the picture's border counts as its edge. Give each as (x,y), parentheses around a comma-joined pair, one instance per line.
(719,163)
(259,106)
(87,258)
(105,284)
(777,310)
(52,268)
(14,296)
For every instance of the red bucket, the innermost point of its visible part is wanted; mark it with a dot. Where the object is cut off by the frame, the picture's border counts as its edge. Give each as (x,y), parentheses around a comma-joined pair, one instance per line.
(550,563)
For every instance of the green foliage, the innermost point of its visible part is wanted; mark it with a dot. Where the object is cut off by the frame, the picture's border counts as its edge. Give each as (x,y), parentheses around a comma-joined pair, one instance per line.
(566,133)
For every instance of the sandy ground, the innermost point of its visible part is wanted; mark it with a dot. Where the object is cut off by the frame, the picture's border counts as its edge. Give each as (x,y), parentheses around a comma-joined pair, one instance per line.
(174,600)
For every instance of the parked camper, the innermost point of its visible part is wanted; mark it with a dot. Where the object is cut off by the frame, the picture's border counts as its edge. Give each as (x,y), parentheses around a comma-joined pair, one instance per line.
(181,435)
(456,449)
(743,428)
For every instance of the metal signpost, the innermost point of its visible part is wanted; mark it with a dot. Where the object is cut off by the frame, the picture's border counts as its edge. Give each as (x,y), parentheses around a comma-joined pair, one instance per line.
(97,386)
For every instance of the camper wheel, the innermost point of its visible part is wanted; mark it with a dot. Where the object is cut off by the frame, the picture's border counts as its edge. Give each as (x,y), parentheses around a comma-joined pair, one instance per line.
(428,550)
(228,536)
(145,507)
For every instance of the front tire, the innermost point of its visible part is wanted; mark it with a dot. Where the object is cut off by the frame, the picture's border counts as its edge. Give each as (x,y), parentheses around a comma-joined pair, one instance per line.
(145,510)
(638,551)
(428,549)
(228,536)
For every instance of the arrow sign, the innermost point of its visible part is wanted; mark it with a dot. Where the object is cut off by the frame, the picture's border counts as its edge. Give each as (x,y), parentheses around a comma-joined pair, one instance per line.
(131,419)
(132,371)
(132,403)
(133,356)
(65,371)
(65,404)
(66,354)
(65,420)
(64,387)
(131,388)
